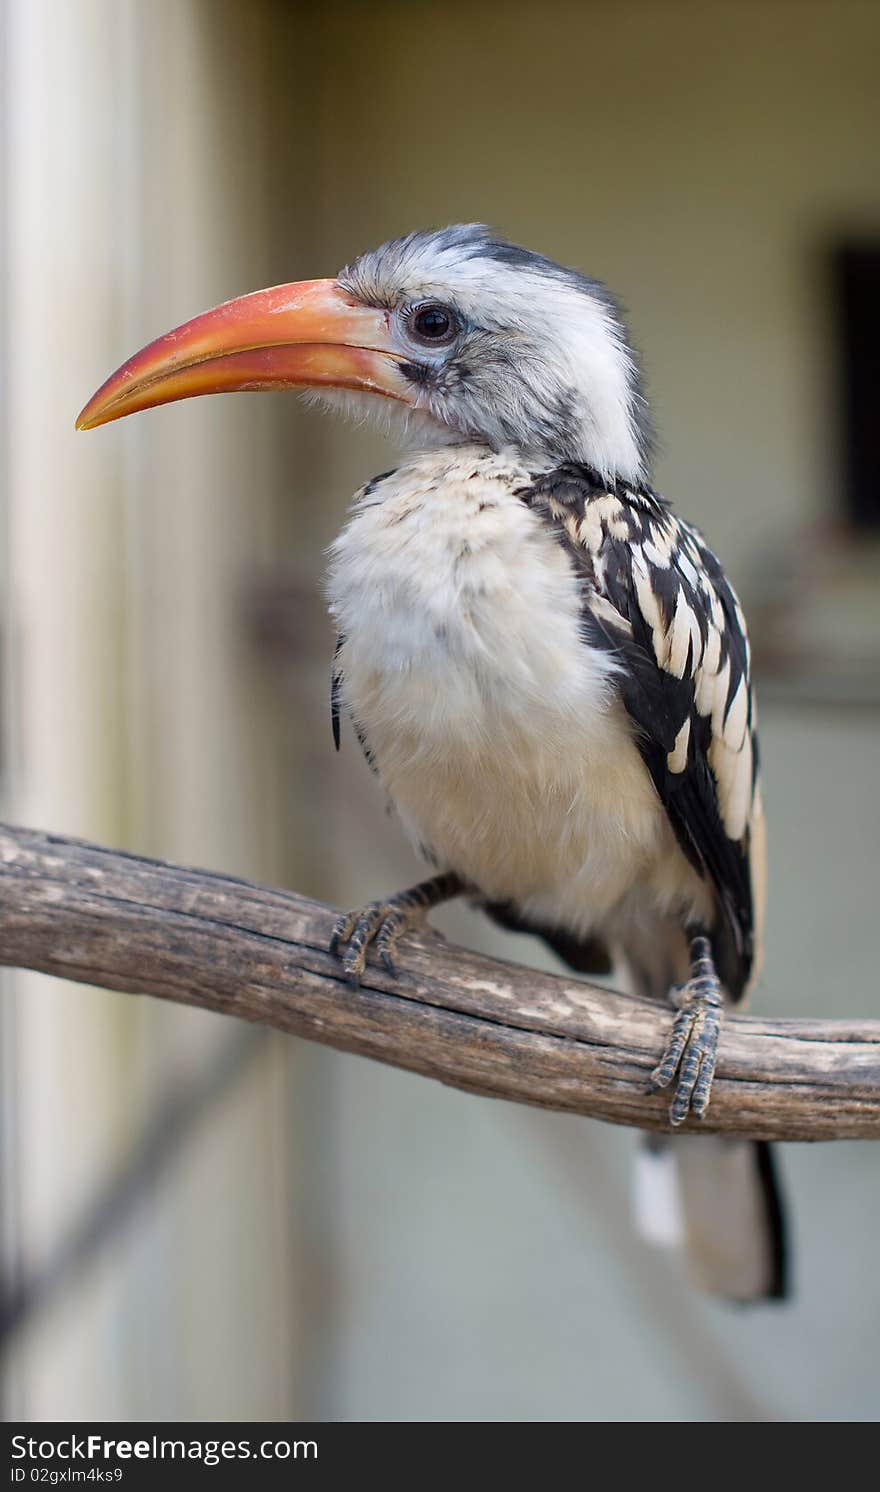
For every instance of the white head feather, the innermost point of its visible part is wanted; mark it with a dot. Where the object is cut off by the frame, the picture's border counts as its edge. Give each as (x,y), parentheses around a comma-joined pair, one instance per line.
(541,362)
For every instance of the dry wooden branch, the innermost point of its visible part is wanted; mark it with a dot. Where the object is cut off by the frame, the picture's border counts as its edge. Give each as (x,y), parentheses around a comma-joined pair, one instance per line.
(145,927)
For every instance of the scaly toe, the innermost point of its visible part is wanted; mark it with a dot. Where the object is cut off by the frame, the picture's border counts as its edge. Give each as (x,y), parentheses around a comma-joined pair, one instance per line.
(357,929)
(703,1087)
(669,1063)
(341,931)
(696,1070)
(681,1102)
(689,1060)
(392,929)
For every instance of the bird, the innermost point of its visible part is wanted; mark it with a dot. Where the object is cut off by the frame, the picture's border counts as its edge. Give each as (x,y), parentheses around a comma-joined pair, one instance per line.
(545,666)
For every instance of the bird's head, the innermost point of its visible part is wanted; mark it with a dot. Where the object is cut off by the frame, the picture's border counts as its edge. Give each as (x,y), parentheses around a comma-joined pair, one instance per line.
(464,335)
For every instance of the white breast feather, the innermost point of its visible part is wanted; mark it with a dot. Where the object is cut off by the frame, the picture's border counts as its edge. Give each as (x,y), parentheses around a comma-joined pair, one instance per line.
(496,730)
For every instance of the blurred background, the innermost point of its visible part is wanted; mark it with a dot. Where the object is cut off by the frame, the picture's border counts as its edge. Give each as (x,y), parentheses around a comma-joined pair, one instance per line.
(200,1220)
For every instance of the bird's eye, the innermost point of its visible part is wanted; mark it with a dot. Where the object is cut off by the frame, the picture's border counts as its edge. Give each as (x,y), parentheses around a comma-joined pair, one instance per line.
(433,324)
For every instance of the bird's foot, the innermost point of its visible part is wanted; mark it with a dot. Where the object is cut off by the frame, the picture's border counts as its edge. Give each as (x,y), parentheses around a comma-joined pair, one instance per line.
(385,922)
(379,922)
(693,1044)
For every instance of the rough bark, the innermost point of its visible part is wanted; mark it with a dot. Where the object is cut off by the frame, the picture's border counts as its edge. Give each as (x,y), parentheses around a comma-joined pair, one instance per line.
(141,926)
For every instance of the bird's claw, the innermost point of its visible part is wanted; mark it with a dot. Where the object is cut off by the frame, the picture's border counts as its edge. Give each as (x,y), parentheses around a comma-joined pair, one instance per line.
(380,922)
(691,1051)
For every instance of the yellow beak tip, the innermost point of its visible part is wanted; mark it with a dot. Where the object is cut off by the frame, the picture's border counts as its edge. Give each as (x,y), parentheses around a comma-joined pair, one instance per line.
(86,421)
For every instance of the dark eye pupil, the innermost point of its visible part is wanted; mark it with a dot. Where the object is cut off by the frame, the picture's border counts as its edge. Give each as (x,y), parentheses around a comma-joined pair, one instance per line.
(432,323)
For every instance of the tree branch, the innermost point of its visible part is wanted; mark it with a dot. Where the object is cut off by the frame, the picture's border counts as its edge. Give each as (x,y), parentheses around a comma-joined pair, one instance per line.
(145,927)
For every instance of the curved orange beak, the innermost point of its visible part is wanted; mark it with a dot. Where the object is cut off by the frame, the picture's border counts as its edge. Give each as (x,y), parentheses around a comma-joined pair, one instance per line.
(304,335)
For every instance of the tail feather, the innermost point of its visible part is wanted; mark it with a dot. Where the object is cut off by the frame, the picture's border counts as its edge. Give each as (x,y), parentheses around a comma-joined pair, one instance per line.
(715,1199)
(719,1200)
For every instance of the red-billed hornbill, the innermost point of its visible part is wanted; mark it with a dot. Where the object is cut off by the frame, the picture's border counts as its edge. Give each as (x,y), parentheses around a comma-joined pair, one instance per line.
(545,666)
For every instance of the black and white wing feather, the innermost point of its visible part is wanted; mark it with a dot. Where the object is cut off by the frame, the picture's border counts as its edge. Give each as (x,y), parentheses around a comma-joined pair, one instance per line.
(656,597)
